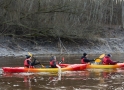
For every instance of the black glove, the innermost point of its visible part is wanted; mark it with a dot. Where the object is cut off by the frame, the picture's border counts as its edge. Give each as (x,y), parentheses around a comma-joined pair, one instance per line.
(93,60)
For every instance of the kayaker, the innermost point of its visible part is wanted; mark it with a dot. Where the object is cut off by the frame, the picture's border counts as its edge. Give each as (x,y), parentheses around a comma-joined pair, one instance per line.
(53,62)
(28,62)
(85,60)
(107,61)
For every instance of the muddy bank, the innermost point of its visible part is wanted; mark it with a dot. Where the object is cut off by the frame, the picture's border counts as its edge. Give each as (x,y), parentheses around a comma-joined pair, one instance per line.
(17,47)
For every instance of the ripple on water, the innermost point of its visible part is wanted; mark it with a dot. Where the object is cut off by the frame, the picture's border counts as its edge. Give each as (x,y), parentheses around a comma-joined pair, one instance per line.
(103,85)
(1,71)
(15,85)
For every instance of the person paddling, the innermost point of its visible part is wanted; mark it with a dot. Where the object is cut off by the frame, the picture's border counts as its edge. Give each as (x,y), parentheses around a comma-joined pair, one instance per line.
(108,61)
(53,62)
(85,60)
(28,62)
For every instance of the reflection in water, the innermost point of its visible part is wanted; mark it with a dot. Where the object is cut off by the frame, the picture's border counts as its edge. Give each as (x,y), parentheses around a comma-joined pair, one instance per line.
(70,80)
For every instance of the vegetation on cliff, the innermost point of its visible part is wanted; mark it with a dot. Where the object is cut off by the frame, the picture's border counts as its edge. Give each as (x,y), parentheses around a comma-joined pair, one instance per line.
(72,20)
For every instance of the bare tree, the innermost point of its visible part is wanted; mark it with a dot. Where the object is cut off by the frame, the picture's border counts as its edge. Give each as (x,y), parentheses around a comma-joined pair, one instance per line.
(59,18)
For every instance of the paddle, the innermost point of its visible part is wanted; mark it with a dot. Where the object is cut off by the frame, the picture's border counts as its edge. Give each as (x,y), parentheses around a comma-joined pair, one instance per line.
(34,58)
(61,60)
(97,60)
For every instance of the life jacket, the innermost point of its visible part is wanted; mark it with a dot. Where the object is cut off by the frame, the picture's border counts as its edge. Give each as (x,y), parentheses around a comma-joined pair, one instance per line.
(106,60)
(26,63)
(52,62)
(82,61)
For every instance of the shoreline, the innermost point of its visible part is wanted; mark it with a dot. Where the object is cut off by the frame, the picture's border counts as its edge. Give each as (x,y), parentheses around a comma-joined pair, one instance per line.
(51,52)
(9,47)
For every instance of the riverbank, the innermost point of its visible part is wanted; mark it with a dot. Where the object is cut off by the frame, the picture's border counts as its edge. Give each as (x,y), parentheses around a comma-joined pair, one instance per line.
(61,27)
(15,47)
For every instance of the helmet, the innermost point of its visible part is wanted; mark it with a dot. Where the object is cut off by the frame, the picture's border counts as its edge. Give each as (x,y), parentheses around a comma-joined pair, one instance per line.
(28,56)
(84,54)
(109,55)
(54,57)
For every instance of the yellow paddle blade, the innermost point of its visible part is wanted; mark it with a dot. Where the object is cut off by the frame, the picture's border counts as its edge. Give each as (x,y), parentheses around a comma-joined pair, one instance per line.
(101,56)
(30,54)
(42,66)
(97,60)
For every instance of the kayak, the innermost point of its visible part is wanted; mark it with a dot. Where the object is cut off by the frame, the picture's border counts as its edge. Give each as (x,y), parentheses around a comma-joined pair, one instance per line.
(73,67)
(118,65)
(65,73)
(93,66)
(66,67)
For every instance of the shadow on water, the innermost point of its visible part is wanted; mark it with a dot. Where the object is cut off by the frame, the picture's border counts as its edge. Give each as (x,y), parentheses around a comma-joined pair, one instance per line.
(91,79)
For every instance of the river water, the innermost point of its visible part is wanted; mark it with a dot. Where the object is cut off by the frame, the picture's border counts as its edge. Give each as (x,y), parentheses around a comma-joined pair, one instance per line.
(92,79)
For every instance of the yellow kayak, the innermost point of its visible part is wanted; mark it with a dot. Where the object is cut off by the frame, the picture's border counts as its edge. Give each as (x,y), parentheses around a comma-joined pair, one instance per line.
(118,65)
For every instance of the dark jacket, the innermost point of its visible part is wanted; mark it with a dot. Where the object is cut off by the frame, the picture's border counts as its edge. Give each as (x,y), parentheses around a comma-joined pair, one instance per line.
(84,60)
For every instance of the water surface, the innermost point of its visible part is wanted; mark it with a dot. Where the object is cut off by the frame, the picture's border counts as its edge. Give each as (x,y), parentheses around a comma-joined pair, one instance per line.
(92,79)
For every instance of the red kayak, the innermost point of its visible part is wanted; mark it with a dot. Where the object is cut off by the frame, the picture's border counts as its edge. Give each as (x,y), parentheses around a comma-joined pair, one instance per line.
(73,67)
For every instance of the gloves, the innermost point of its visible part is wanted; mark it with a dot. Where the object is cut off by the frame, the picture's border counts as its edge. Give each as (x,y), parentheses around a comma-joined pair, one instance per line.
(93,60)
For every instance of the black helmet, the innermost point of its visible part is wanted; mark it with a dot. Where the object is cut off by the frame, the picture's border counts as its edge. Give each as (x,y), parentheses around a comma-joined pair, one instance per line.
(53,57)
(84,54)
(109,55)
(28,56)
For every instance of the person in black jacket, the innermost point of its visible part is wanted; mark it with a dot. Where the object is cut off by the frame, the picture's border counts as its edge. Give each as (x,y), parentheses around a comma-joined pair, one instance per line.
(85,60)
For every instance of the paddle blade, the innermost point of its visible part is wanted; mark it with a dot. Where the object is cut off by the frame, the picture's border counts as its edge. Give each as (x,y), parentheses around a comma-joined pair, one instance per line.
(30,54)
(97,60)
(42,66)
(101,56)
